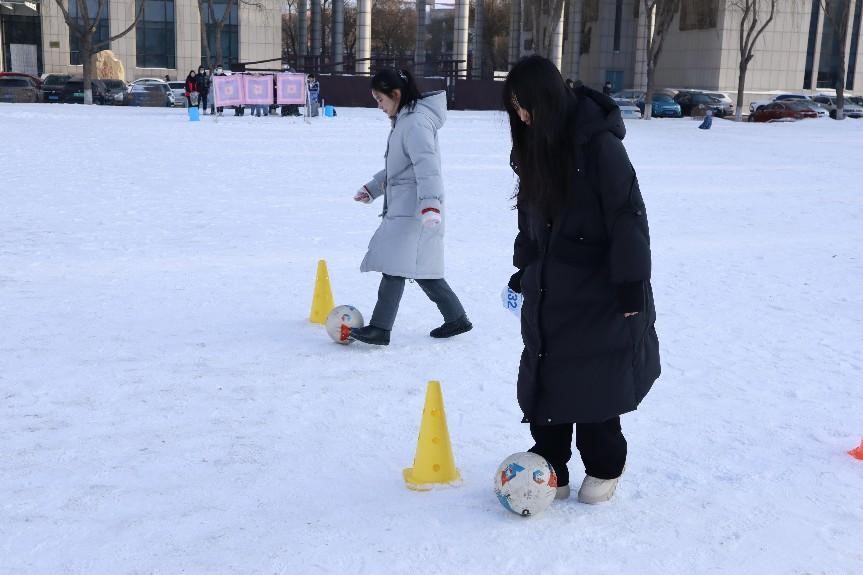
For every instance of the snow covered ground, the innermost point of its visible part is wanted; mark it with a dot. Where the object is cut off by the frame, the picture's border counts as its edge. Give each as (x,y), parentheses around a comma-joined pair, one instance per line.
(166,407)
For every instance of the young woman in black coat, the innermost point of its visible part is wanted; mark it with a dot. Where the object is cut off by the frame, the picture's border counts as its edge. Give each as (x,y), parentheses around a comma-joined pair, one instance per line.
(583,258)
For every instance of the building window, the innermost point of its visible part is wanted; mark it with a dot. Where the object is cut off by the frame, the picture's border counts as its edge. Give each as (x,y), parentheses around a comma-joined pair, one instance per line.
(618,16)
(828,65)
(855,44)
(103,27)
(698,14)
(810,46)
(230,36)
(155,44)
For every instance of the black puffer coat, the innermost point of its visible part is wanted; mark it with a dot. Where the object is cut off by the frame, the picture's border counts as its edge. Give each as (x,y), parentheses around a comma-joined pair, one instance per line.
(580,272)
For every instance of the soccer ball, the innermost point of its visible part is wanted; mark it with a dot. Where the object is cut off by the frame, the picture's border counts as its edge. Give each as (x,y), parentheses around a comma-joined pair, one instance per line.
(340,320)
(525,483)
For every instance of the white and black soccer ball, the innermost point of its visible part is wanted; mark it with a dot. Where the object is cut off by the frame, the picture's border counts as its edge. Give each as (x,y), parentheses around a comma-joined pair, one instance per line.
(340,320)
(525,483)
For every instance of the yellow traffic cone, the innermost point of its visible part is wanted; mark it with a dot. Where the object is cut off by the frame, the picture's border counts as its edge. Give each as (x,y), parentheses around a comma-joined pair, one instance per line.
(322,300)
(433,462)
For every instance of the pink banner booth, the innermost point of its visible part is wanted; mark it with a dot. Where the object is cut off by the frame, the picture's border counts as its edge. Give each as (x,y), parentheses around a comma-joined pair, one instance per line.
(258,90)
(292,89)
(227,91)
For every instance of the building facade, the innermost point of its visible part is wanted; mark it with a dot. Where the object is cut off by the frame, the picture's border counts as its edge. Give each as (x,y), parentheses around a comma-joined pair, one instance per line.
(799,51)
(166,40)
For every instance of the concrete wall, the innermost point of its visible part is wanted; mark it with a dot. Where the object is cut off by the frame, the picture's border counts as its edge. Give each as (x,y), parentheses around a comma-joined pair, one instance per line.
(779,59)
(691,58)
(602,56)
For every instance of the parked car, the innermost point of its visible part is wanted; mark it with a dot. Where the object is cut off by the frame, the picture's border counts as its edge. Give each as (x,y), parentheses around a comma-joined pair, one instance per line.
(755,104)
(34,79)
(662,106)
(628,111)
(694,101)
(155,82)
(724,98)
(19,90)
(820,109)
(52,87)
(850,109)
(151,95)
(783,112)
(631,96)
(179,90)
(856,100)
(115,92)
(73,91)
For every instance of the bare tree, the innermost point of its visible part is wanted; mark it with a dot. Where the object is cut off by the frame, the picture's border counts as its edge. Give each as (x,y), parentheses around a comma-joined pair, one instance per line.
(217,25)
(393,27)
(664,12)
(495,37)
(546,17)
(84,29)
(289,34)
(838,12)
(750,31)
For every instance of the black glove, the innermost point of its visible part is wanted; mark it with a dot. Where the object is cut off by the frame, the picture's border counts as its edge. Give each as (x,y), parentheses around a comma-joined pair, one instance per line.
(515,281)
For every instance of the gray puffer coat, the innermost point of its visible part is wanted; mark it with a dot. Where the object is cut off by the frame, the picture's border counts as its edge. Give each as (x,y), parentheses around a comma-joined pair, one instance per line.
(410,183)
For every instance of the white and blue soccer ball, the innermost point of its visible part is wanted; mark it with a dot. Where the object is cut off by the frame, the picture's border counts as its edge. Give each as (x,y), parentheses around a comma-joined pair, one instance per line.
(525,483)
(340,321)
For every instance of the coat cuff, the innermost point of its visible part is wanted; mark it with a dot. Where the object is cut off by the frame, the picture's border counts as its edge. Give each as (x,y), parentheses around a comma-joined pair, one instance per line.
(630,296)
(515,281)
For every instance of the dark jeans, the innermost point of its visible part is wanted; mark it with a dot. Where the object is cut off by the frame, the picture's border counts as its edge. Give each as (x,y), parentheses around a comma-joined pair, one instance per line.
(390,295)
(202,100)
(601,445)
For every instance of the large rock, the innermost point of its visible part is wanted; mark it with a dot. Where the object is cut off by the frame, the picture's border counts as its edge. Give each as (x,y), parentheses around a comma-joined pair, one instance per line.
(108,67)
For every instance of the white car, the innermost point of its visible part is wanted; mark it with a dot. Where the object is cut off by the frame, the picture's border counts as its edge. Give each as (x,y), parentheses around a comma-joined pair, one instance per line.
(171,97)
(179,90)
(628,111)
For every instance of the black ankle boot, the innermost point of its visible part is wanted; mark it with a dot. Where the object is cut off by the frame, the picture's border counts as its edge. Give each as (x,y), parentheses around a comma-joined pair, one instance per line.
(452,328)
(370,334)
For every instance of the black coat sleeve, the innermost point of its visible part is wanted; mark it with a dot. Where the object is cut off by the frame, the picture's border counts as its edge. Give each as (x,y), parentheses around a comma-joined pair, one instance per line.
(625,221)
(524,250)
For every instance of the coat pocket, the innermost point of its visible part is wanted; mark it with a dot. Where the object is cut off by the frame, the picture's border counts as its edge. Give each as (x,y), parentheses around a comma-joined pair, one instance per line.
(579,251)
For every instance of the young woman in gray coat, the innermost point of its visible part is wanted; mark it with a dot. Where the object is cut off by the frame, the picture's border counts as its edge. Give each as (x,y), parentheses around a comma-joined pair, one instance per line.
(409,241)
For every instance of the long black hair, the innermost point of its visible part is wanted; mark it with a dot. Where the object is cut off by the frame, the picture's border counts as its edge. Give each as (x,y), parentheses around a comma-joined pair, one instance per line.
(391,79)
(541,150)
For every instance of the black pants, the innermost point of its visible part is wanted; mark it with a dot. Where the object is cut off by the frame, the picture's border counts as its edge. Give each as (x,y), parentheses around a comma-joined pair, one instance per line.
(202,99)
(390,295)
(601,445)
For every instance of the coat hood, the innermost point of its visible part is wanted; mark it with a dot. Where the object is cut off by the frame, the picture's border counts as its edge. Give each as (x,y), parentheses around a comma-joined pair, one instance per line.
(593,112)
(432,105)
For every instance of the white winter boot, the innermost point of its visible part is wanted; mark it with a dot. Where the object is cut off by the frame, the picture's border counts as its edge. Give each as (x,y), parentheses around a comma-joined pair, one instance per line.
(594,490)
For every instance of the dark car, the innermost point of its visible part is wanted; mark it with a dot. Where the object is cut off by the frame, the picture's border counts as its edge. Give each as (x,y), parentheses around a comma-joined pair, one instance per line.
(73,91)
(19,89)
(115,92)
(52,87)
(783,112)
(699,102)
(148,95)
(35,80)
(662,106)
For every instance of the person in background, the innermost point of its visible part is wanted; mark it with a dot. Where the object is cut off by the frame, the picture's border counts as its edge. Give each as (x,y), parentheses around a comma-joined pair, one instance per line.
(191,87)
(583,256)
(607,88)
(314,95)
(203,81)
(219,72)
(409,241)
